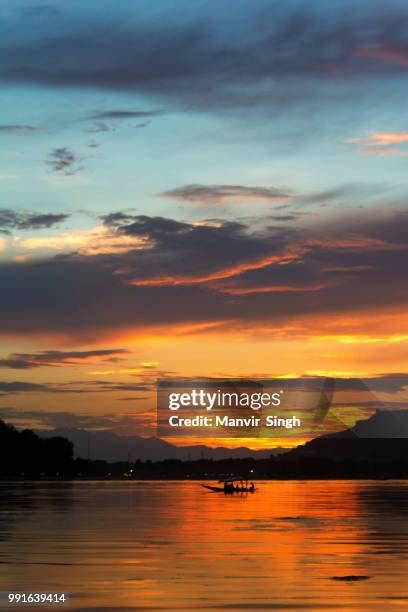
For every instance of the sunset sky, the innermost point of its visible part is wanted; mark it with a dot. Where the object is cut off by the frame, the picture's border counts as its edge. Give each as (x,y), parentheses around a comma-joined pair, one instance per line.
(197,188)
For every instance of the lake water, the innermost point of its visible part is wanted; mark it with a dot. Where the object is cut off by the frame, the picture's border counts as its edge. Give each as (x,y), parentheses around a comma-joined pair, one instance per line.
(175,546)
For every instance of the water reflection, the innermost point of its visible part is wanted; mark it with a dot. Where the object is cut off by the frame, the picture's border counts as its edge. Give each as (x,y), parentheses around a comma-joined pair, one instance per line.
(151,545)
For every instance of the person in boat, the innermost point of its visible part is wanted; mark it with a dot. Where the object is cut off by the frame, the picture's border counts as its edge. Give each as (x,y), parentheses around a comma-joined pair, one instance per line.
(228,487)
(251,486)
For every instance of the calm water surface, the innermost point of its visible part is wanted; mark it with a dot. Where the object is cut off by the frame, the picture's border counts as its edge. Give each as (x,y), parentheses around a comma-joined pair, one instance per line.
(174,546)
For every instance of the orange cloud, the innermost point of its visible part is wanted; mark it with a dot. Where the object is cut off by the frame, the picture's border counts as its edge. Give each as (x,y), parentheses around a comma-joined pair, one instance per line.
(284,259)
(94,241)
(274,289)
(381,143)
(144,368)
(158,334)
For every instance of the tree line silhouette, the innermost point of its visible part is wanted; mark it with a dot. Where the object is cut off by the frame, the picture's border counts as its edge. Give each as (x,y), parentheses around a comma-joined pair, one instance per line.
(25,455)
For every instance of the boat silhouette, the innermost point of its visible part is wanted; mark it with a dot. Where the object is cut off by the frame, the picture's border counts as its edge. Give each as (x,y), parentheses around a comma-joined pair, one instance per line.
(232,484)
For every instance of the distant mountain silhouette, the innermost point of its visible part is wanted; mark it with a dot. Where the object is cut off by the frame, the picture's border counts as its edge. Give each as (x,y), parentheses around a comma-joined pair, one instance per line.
(378,445)
(382,424)
(109,446)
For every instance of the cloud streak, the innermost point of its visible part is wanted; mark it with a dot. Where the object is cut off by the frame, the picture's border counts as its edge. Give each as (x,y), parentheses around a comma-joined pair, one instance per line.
(51,419)
(75,387)
(53,358)
(19,129)
(220,194)
(123,114)
(11,219)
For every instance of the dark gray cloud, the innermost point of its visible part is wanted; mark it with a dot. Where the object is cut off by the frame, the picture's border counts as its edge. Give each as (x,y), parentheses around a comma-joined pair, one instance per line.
(122,114)
(193,250)
(64,161)
(213,194)
(19,129)
(19,387)
(108,121)
(73,387)
(108,386)
(26,361)
(137,397)
(117,218)
(53,419)
(158,227)
(98,128)
(201,63)
(11,219)
(283,218)
(139,126)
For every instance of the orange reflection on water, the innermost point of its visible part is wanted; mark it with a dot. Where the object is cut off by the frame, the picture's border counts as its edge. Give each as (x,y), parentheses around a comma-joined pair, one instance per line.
(174,545)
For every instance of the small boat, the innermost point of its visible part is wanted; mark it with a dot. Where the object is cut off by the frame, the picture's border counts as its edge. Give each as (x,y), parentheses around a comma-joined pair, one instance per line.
(213,488)
(229,486)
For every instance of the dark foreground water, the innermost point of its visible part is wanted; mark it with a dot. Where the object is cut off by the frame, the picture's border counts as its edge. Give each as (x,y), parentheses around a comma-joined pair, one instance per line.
(174,546)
